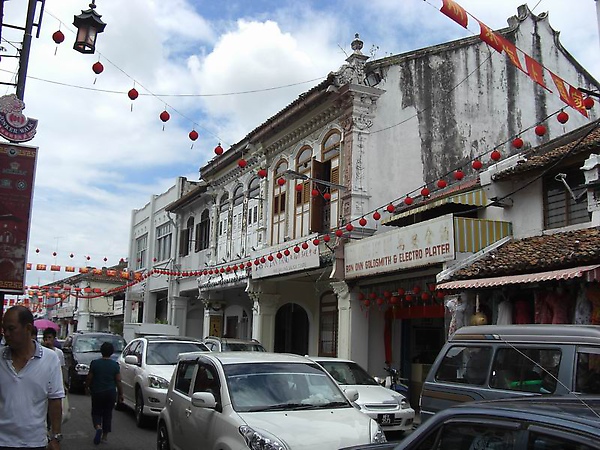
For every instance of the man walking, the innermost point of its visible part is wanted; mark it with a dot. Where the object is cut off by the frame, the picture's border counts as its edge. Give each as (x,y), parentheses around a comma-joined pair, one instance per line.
(48,339)
(30,386)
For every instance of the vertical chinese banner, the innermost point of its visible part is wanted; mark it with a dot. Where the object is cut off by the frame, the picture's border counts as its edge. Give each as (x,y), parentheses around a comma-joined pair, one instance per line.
(17,174)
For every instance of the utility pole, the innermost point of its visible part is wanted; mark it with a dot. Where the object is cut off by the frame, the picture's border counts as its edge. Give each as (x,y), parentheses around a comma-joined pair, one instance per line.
(24,58)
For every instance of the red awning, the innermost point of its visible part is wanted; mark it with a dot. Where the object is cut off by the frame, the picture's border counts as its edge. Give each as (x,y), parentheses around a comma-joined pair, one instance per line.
(591,273)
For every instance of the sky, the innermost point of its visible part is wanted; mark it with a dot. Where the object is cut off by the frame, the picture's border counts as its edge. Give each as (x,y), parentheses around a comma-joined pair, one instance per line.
(221,68)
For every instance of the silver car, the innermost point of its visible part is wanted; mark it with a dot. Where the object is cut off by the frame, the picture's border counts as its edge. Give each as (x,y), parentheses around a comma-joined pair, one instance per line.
(271,401)
(147,365)
(389,408)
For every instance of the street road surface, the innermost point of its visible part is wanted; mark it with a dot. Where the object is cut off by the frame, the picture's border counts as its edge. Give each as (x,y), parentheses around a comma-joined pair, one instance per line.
(78,432)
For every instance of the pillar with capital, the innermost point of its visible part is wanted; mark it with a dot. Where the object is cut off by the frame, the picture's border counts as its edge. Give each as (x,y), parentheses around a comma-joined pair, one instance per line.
(264,309)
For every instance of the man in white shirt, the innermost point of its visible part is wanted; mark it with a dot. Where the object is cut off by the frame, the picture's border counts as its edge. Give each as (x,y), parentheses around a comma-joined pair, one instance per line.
(30,386)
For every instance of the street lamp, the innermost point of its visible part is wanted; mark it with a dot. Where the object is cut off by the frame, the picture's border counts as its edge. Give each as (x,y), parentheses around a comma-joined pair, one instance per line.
(293,175)
(88,25)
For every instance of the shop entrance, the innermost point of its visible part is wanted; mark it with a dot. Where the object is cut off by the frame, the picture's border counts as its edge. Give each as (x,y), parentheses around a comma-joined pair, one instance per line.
(291,330)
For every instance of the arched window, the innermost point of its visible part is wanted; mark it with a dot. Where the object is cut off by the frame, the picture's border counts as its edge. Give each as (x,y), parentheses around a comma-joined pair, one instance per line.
(279,203)
(325,212)
(331,145)
(203,231)
(238,196)
(186,241)
(302,195)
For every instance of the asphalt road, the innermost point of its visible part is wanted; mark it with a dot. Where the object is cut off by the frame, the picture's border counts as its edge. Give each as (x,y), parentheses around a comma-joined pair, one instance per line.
(78,432)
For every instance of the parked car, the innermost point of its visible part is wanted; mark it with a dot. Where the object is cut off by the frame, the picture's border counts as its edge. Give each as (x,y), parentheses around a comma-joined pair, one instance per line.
(218,344)
(80,349)
(147,365)
(534,423)
(390,409)
(489,362)
(271,401)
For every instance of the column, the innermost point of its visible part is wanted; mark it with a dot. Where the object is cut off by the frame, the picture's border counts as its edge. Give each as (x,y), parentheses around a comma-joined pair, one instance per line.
(344,344)
(179,306)
(264,309)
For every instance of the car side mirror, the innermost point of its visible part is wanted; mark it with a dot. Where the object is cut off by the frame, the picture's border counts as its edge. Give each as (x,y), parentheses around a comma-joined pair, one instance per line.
(204,400)
(351,394)
(132,359)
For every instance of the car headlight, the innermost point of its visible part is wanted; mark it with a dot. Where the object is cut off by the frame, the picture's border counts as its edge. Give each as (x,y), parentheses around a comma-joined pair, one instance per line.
(377,434)
(82,368)
(260,440)
(402,402)
(157,382)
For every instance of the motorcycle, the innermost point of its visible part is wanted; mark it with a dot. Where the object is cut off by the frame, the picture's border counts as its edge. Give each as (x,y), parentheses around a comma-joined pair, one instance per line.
(394,382)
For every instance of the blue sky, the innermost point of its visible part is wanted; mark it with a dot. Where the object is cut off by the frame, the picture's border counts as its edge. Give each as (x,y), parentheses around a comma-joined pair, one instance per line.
(99,160)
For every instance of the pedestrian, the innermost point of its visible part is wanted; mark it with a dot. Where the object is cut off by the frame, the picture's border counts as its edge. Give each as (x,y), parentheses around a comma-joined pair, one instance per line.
(30,386)
(48,340)
(103,382)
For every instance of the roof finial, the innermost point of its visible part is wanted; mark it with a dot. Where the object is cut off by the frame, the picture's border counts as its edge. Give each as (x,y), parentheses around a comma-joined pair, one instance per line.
(357,44)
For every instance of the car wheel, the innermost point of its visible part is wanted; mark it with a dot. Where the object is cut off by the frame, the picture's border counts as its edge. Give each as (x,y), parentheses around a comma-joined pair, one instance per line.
(162,437)
(140,419)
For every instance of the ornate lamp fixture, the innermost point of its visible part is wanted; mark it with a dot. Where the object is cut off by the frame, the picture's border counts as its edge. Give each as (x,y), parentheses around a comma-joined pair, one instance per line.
(88,25)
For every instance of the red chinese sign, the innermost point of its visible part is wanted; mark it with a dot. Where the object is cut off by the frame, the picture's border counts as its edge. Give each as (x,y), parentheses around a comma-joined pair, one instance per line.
(17,172)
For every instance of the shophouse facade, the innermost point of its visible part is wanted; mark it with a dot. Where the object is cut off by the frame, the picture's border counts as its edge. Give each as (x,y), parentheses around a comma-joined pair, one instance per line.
(549,271)
(302,198)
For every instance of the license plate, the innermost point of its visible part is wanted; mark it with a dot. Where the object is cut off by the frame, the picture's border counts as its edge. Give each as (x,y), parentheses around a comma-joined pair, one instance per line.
(385,419)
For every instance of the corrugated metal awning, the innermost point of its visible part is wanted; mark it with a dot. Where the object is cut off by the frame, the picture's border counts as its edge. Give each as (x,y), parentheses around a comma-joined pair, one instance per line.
(474,198)
(591,273)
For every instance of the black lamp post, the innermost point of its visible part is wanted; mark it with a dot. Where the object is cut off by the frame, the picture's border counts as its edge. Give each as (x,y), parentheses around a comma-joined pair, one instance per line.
(88,25)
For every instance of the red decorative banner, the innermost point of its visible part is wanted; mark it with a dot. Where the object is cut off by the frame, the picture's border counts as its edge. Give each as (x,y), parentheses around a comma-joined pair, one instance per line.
(535,71)
(577,99)
(455,12)
(488,36)
(17,174)
(511,52)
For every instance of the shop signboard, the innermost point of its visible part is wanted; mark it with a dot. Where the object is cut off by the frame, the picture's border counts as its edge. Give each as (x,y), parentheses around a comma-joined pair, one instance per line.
(290,261)
(17,172)
(418,245)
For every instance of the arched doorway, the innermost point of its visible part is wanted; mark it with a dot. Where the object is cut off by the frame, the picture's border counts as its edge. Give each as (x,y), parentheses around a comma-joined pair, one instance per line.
(291,330)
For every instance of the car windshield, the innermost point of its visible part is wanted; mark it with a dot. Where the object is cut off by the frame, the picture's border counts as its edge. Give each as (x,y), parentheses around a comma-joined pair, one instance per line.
(91,344)
(242,347)
(281,386)
(348,373)
(166,353)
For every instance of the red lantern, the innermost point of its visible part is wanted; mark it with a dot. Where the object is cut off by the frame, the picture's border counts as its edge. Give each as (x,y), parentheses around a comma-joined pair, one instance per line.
(327,196)
(315,193)
(431,287)
(97,67)
(37,250)
(458,175)
(242,163)
(495,155)
(408,298)
(298,188)
(425,192)
(164,116)
(58,37)
(361,296)
(367,303)
(71,255)
(218,150)
(387,294)
(372,295)
(305,245)
(394,300)
(562,117)
(281,181)
(132,94)
(279,255)
(390,208)
(376,215)
(248,264)
(316,242)
(425,296)
(440,294)
(477,164)
(362,221)
(326,238)
(400,292)
(53,253)
(588,102)
(256,262)
(296,249)
(286,252)
(408,200)
(517,143)
(380,301)
(442,184)
(262,173)
(339,233)
(540,130)
(262,260)
(193,135)
(349,227)
(417,289)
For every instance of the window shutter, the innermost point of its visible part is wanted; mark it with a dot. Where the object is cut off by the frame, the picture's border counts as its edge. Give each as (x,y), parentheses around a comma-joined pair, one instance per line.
(316,203)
